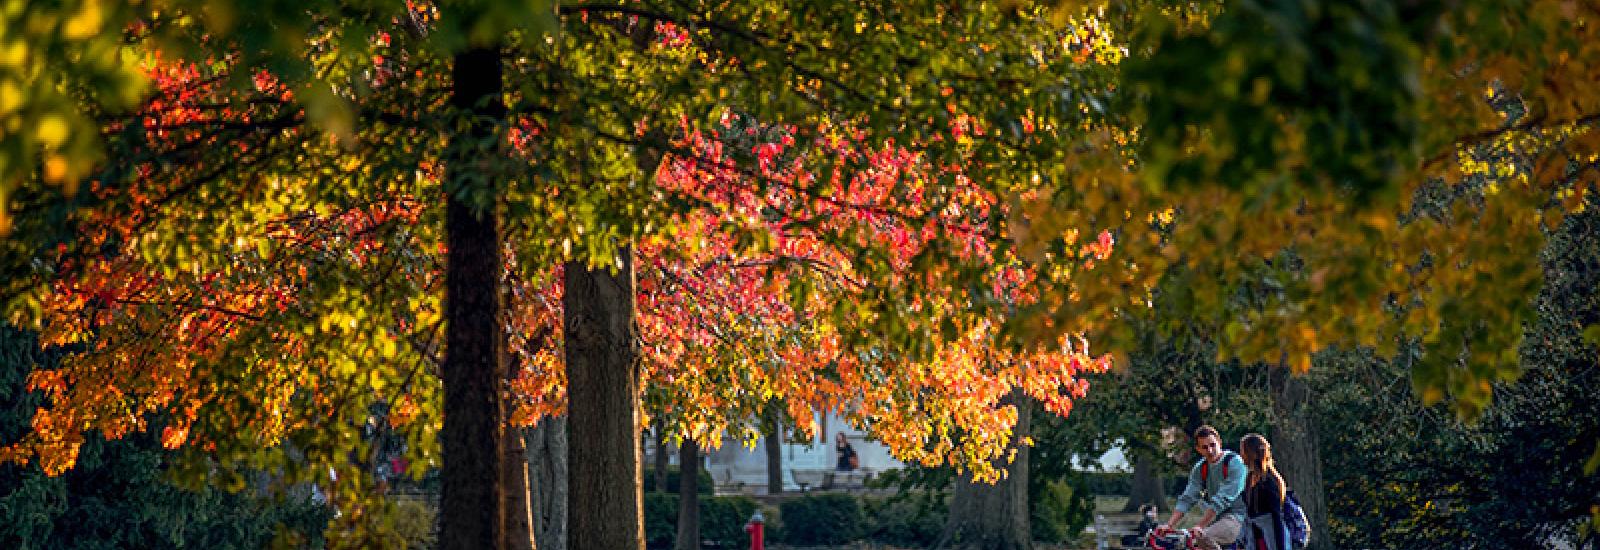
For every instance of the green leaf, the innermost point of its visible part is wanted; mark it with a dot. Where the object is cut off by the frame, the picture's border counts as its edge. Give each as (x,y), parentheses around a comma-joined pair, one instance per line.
(1593,464)
(1591,334)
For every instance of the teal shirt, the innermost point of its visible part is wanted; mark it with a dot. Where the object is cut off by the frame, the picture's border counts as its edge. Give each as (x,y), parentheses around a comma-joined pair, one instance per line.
(1221,492)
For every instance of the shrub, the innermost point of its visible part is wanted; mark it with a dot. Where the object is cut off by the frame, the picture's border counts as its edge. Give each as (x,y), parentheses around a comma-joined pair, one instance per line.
(722,520)
(121,493)
(660,519)
(414,521)
(1059,512)
(706,483)
(913,520)
(821,519)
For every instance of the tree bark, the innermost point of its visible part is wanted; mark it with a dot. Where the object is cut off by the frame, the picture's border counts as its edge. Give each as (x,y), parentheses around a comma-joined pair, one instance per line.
(1296,451)
(995,517)
(688,496)
(514,461)
(1147,485)
(662,461)
(547,482)
(514,471)
(471,501)
(603,407)
(774,451)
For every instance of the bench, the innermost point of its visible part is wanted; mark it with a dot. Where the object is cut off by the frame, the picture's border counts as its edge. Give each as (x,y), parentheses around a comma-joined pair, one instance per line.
(828,479)
(853,479)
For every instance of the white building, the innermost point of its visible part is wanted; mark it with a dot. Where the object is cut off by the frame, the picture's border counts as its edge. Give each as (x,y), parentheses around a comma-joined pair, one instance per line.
(737,468)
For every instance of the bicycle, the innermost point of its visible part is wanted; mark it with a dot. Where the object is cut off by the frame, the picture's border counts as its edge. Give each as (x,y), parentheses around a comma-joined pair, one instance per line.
(1162,538)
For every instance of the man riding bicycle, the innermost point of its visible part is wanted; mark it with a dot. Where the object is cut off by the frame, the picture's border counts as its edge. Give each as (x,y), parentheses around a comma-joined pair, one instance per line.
(1215,484)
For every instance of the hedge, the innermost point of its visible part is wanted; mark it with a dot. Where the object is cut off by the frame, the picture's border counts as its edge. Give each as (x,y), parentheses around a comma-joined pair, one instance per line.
(910,521)
(828,518)
(722,520)
(705,488)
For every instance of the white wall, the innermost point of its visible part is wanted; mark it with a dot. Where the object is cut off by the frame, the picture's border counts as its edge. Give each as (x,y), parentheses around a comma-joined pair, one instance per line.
(735,463)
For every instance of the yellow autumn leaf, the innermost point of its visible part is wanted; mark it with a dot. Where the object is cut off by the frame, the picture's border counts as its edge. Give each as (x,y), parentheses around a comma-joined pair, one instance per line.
(14,54)
(10,95)
(1431,395)
(52,131)
(84,23)
(1300,363)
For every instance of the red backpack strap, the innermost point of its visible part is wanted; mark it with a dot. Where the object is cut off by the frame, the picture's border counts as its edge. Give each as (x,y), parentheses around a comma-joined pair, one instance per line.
(1205,471)
(1205,468)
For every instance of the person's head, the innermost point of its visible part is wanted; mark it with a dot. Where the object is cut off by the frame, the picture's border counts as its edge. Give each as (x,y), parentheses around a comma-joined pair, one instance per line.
(1208,443)
(1257,454)
(842,441)
(1148,511)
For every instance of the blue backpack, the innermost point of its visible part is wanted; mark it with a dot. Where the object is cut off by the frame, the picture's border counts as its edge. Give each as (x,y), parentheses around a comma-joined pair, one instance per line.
(1295,519)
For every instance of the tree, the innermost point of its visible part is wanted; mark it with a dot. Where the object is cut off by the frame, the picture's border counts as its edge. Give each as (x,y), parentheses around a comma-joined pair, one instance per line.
(463,27)
(772,427)
(1172,384)
(688,537)
(121,496)
(602,373)
(1296,445)
(548,482)
(1515,477)
(1147,485)
(474,425)
(1020,145)
(995,515)
(1297,175)
(1247,151)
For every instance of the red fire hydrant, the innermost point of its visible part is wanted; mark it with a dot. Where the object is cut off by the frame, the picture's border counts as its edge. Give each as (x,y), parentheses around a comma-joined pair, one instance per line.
(754,527)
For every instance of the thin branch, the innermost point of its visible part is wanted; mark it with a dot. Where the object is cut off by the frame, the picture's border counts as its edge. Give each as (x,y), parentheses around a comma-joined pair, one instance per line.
(1538,122)
(175,303)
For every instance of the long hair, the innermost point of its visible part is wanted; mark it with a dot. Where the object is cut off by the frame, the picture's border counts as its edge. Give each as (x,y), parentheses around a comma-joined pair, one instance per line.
(1257,454)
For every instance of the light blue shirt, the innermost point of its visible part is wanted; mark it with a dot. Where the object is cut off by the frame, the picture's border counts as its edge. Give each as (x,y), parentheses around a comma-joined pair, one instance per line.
(1221,490)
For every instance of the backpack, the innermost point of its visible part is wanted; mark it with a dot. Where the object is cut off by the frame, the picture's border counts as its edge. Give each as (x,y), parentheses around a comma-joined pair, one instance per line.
(1295,519)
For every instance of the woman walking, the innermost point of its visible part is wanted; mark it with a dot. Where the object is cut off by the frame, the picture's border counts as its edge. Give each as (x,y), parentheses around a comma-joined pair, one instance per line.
(1264,526)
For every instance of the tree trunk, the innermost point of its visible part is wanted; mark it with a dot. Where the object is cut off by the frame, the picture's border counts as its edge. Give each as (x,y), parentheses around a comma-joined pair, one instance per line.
(514,471)
(471,502)
(547,482)
(688,496)
(662,460)
(603,407)
(774,451)
(514,461)
(1295,449)
(994,517)
(1147,483)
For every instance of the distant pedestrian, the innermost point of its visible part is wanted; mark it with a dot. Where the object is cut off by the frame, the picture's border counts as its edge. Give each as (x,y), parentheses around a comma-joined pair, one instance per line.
(848,461)
(1147,523)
